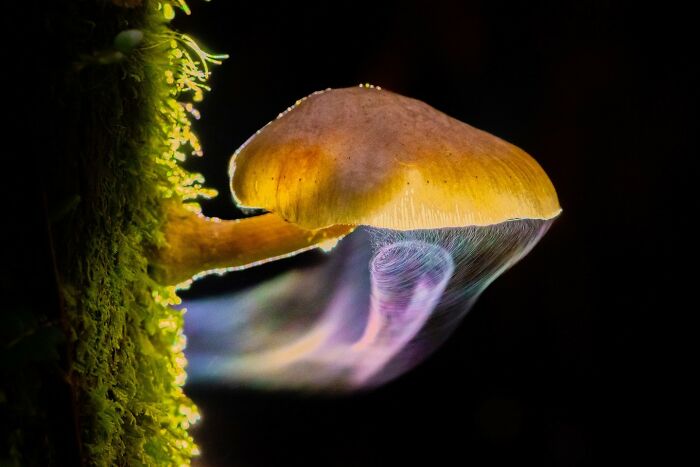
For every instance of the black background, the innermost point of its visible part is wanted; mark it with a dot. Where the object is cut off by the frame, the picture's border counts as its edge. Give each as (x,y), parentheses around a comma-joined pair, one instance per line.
(551,366)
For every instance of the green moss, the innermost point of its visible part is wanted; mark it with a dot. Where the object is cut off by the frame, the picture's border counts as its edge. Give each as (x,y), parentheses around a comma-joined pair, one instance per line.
(120,129)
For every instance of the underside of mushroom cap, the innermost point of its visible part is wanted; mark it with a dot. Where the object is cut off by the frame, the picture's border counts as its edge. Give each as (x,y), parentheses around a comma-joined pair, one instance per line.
(365,156)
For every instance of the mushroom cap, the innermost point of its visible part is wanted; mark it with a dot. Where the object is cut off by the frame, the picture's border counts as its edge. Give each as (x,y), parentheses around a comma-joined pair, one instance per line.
(366,156)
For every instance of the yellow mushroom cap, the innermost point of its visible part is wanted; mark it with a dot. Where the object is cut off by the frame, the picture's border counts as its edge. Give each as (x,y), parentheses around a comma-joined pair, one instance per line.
(366,156)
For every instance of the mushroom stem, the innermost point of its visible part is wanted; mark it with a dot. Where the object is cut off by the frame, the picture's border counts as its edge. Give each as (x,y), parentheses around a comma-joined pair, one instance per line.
(197,244)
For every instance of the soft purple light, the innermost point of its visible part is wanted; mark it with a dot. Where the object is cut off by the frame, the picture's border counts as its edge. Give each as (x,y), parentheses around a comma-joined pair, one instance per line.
(380,304)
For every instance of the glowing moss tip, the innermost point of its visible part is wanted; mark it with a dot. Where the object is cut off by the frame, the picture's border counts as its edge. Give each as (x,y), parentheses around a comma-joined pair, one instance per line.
(186,74)
(184,77)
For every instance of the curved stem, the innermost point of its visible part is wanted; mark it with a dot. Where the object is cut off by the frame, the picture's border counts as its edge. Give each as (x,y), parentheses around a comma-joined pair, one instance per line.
(197,244)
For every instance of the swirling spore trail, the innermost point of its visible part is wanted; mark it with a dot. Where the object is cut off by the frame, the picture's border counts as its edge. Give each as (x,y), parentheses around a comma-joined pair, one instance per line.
(381,303)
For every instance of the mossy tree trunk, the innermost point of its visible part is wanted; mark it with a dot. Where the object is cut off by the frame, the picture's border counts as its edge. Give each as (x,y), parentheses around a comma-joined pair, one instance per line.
(92,362)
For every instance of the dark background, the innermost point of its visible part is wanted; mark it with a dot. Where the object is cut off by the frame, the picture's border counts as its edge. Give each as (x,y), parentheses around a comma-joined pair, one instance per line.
(551,367)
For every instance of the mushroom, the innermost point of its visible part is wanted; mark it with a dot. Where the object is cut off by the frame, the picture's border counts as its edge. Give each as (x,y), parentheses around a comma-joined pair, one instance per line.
(356,156)
(435,210)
